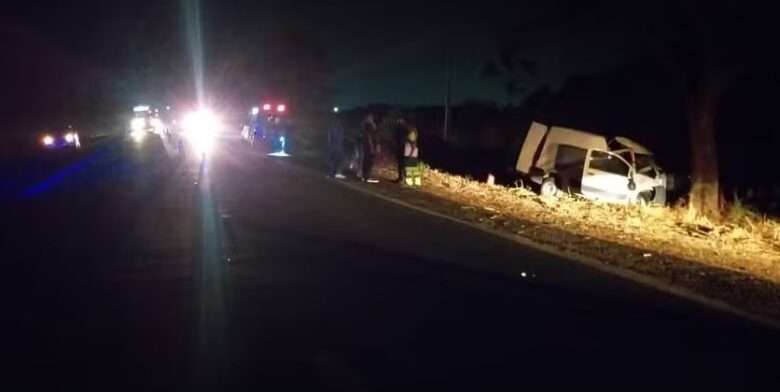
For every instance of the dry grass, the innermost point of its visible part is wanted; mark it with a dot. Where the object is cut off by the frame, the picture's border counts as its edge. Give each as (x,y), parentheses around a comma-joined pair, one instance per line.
(749,244)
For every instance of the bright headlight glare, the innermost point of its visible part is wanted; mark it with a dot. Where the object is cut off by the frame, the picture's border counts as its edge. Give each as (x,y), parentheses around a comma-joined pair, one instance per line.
(48,140)
(157,124)
(138,124)
(200,120)
(69,137)
(202,141)
(201,127)
(138,135)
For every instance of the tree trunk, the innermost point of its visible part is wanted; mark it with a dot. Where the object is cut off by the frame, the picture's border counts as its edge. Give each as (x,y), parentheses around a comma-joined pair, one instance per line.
(705,195)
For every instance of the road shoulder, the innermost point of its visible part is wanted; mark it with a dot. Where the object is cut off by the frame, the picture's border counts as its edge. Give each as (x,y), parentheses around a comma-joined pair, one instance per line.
(726,291)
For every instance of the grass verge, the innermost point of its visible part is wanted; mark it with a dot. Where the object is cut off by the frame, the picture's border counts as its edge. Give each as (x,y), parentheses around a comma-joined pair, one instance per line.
(736,261)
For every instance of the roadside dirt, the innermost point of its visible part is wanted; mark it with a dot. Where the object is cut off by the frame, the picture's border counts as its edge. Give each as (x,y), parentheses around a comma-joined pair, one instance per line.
(726,263)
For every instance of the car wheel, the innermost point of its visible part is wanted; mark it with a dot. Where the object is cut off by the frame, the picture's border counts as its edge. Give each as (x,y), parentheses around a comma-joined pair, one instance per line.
(548,188)
(644,198)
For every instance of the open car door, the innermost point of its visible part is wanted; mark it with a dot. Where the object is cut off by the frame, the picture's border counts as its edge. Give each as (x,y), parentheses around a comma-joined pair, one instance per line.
(607,176)
(531,145)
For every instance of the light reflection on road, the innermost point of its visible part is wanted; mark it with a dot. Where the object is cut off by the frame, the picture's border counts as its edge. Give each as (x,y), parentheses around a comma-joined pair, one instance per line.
(214,290)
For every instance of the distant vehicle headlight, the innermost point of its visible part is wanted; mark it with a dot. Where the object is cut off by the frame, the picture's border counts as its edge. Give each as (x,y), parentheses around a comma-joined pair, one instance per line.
(138,135)
(138,124)
(48,140)
(200,128)
(158,125)
(69,138)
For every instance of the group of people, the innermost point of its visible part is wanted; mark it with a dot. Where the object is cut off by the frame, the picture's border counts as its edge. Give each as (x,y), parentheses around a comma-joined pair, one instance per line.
(406,147)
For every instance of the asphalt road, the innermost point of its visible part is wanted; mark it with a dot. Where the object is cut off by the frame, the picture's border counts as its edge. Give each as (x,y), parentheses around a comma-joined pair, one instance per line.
(128,267)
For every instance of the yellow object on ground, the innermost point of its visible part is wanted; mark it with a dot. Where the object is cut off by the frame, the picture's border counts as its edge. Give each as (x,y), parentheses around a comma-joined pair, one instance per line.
(413,175)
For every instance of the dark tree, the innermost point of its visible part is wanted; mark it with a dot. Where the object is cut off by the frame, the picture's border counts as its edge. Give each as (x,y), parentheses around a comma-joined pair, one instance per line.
(512,70)
(709,44)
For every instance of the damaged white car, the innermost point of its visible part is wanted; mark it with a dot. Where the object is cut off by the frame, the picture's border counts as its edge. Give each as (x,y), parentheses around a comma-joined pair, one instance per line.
(619,170)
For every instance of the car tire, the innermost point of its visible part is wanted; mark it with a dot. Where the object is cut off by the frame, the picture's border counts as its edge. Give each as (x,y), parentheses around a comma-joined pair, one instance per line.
(644,198)
(548,187)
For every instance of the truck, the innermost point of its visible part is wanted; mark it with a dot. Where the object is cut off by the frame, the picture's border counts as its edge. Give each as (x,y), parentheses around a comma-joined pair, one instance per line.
(269,125)
(617,170)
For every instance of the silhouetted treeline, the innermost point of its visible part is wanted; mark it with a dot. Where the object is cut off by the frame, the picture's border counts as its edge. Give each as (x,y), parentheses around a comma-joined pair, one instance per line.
(640,100)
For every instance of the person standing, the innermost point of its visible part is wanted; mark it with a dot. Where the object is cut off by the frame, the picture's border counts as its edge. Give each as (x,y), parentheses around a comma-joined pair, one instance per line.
(411,159)
(368,144)
(336,148)
(401,133)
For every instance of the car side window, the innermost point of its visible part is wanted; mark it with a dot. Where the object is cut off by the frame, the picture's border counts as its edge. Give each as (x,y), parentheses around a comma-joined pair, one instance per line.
(570,156)
(626,154)
(607,162)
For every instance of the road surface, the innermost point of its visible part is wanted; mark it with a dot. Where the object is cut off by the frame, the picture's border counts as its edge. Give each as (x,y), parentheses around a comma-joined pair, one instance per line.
(130,267)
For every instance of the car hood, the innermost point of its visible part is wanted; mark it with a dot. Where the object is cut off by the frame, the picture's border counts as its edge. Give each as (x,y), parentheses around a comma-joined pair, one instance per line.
(632,145)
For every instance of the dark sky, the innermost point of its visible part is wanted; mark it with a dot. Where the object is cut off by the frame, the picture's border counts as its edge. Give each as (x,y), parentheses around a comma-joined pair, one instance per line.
(396,51)
(372,52)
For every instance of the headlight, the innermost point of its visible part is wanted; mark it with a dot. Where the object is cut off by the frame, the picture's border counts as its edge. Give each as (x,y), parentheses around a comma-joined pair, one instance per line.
(69,137)
(48,140)
(157,124)
(138,135)
(200,127)
(138,124)
(200,120)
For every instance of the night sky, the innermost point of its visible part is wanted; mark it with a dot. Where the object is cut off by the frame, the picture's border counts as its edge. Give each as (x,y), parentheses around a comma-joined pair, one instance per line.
(396,52)
(365,52)
(615,64)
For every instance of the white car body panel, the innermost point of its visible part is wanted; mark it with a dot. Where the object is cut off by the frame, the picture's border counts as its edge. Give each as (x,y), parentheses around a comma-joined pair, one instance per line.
(540,151)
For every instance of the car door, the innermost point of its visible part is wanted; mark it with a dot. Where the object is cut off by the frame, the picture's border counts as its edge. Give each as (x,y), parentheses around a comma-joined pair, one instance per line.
(607,177)
(569,165)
